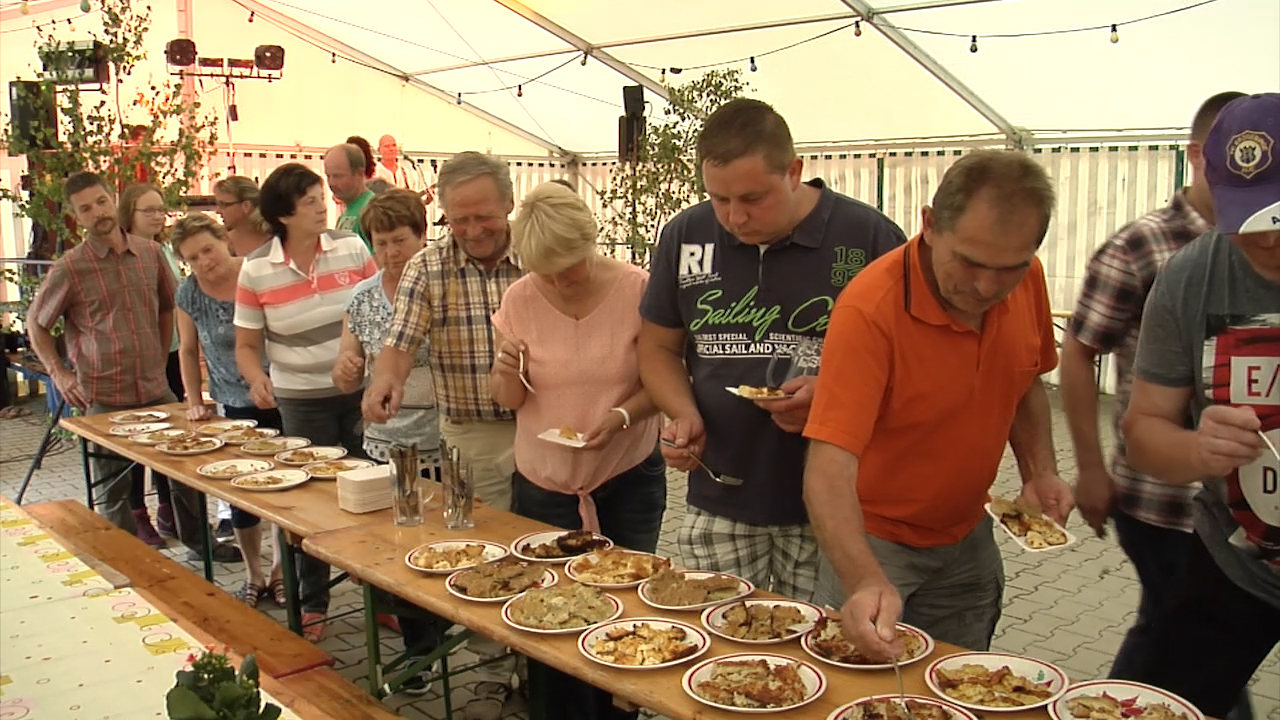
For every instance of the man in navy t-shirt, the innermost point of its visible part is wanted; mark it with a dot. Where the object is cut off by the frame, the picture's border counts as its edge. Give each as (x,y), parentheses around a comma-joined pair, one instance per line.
(751,272)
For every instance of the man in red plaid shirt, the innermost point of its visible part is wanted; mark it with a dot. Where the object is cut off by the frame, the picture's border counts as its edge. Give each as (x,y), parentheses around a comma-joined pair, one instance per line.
(1153,520)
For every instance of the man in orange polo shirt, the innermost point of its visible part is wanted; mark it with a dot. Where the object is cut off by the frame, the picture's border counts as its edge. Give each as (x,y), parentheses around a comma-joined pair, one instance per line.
(932,363)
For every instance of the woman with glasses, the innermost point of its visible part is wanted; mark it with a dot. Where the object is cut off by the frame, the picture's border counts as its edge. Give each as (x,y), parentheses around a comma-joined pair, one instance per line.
(237,199)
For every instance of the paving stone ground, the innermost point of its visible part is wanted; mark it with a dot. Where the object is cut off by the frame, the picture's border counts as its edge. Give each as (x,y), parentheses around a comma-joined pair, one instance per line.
(1070,607)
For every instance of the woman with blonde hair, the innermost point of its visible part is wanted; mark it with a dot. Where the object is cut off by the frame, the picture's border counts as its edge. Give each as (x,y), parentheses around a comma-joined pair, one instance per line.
(205,306)
(572,323)
(237,199)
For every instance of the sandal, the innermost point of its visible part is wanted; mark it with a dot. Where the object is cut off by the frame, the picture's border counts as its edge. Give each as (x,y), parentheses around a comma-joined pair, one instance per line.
(275,589)
(313,626)
(250,593)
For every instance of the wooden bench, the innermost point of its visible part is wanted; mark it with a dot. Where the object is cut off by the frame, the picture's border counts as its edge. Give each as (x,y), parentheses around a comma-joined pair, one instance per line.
(335,695)
(192,599)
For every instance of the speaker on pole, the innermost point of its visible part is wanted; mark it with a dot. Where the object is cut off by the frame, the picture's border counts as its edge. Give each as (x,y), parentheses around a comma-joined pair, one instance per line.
(33,116)
(631,125)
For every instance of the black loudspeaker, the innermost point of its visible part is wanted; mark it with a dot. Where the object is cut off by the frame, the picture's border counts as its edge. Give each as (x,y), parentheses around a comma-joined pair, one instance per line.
(269,58)
(633,99)
(180,52)
(630,130)
(33,116)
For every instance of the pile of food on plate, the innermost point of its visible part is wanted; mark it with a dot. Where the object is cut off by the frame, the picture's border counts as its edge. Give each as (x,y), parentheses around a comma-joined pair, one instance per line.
(979,685)
(260,480)
(830,642)
(332,467)
(306,455)
(574,542)
(185,445)
(675,589)
(160,436)
(759,621)
(642,644)
(561,607)
(1105,707)
(243,435)
(498,579)
(132,418)
(891,709)
(1028,523)
(569,433)
(265,446)
(754,684)
(760,393)
(615,566)
(229,470)
(448,558)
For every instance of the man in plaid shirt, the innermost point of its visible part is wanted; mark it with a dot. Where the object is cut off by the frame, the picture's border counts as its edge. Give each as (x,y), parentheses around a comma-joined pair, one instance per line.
(446,296)
(1152,519)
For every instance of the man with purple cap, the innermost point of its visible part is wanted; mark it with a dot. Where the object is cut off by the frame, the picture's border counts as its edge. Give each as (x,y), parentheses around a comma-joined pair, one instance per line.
(1211,339)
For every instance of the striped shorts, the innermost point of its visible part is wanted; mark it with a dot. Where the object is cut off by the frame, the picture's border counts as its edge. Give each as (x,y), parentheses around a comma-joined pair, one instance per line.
(780,558)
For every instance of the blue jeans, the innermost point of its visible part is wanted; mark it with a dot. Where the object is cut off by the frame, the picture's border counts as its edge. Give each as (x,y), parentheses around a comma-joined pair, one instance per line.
(325,421)
(1161,557)
(630,507)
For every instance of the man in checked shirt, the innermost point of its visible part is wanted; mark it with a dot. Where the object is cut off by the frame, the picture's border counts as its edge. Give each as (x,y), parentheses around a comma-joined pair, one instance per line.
(1152,519)
(447,294)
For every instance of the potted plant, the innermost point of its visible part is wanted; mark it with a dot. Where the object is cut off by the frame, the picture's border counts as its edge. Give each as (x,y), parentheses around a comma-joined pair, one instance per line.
(213,690)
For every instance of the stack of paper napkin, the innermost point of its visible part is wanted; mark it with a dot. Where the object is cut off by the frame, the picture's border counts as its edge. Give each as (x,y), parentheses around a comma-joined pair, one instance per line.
(365,490)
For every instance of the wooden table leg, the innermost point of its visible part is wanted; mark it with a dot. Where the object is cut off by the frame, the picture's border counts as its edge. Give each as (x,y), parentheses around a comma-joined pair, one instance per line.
(371,639)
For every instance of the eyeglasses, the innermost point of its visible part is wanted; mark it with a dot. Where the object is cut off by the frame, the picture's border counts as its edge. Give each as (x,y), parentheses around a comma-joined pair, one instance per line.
(151,211)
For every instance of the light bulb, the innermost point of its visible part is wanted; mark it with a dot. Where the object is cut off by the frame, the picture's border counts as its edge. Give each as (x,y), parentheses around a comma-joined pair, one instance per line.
(973,44)
(84,6)
(1115,34)
(752,65)
(24,7)
(459,100)
(857,28)
(519,91)
(662,78)
(333,58)
(584,60)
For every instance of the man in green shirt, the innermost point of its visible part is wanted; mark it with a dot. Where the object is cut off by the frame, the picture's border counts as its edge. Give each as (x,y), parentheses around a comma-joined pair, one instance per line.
(344,167)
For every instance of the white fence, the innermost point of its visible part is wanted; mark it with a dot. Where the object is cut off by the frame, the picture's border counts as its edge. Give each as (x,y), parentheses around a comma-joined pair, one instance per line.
(1100,188)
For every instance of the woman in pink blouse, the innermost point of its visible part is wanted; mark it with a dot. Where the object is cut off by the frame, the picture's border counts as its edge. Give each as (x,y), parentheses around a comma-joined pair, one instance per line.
(575,319)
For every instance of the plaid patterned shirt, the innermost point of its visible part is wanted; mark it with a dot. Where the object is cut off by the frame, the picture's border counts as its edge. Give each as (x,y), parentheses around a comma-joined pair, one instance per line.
(448,298)
(1106,318)
(112,303)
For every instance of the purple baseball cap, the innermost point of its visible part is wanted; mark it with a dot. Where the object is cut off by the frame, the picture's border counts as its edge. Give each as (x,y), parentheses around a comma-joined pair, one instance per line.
(1242,167)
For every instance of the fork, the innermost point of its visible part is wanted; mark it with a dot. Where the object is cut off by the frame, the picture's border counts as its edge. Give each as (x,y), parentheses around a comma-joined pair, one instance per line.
(730,481)
(902,693)
(1270,445)
(522,377)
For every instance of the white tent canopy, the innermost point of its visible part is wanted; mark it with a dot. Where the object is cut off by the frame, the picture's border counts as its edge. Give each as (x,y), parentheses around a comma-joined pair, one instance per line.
(882,84)
(399,65)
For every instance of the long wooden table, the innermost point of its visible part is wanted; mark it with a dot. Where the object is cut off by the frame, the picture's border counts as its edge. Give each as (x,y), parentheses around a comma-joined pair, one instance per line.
(298,513)
(375,553)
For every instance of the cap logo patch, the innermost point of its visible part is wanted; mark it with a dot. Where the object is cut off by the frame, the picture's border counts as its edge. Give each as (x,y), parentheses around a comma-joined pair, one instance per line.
(1249,153)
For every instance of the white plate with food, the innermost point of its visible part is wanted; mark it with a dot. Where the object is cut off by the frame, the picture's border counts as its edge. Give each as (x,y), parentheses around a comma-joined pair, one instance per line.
(273,446)
(754,683)
(614,568)
(310,454)
(751,392)
(499,581)
(1028,527)
(761,621)
(995,682)
(217,427)
(1121,700)
(227,469)
(270,480)
(681,590)
(139,428)
(240,436)
(643,643)
(159,436)
(563,436)
(563,609)
(137,417)
(190,446)
(329,469)
(826,642)
(889,707)
(444,557)
(558,545)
